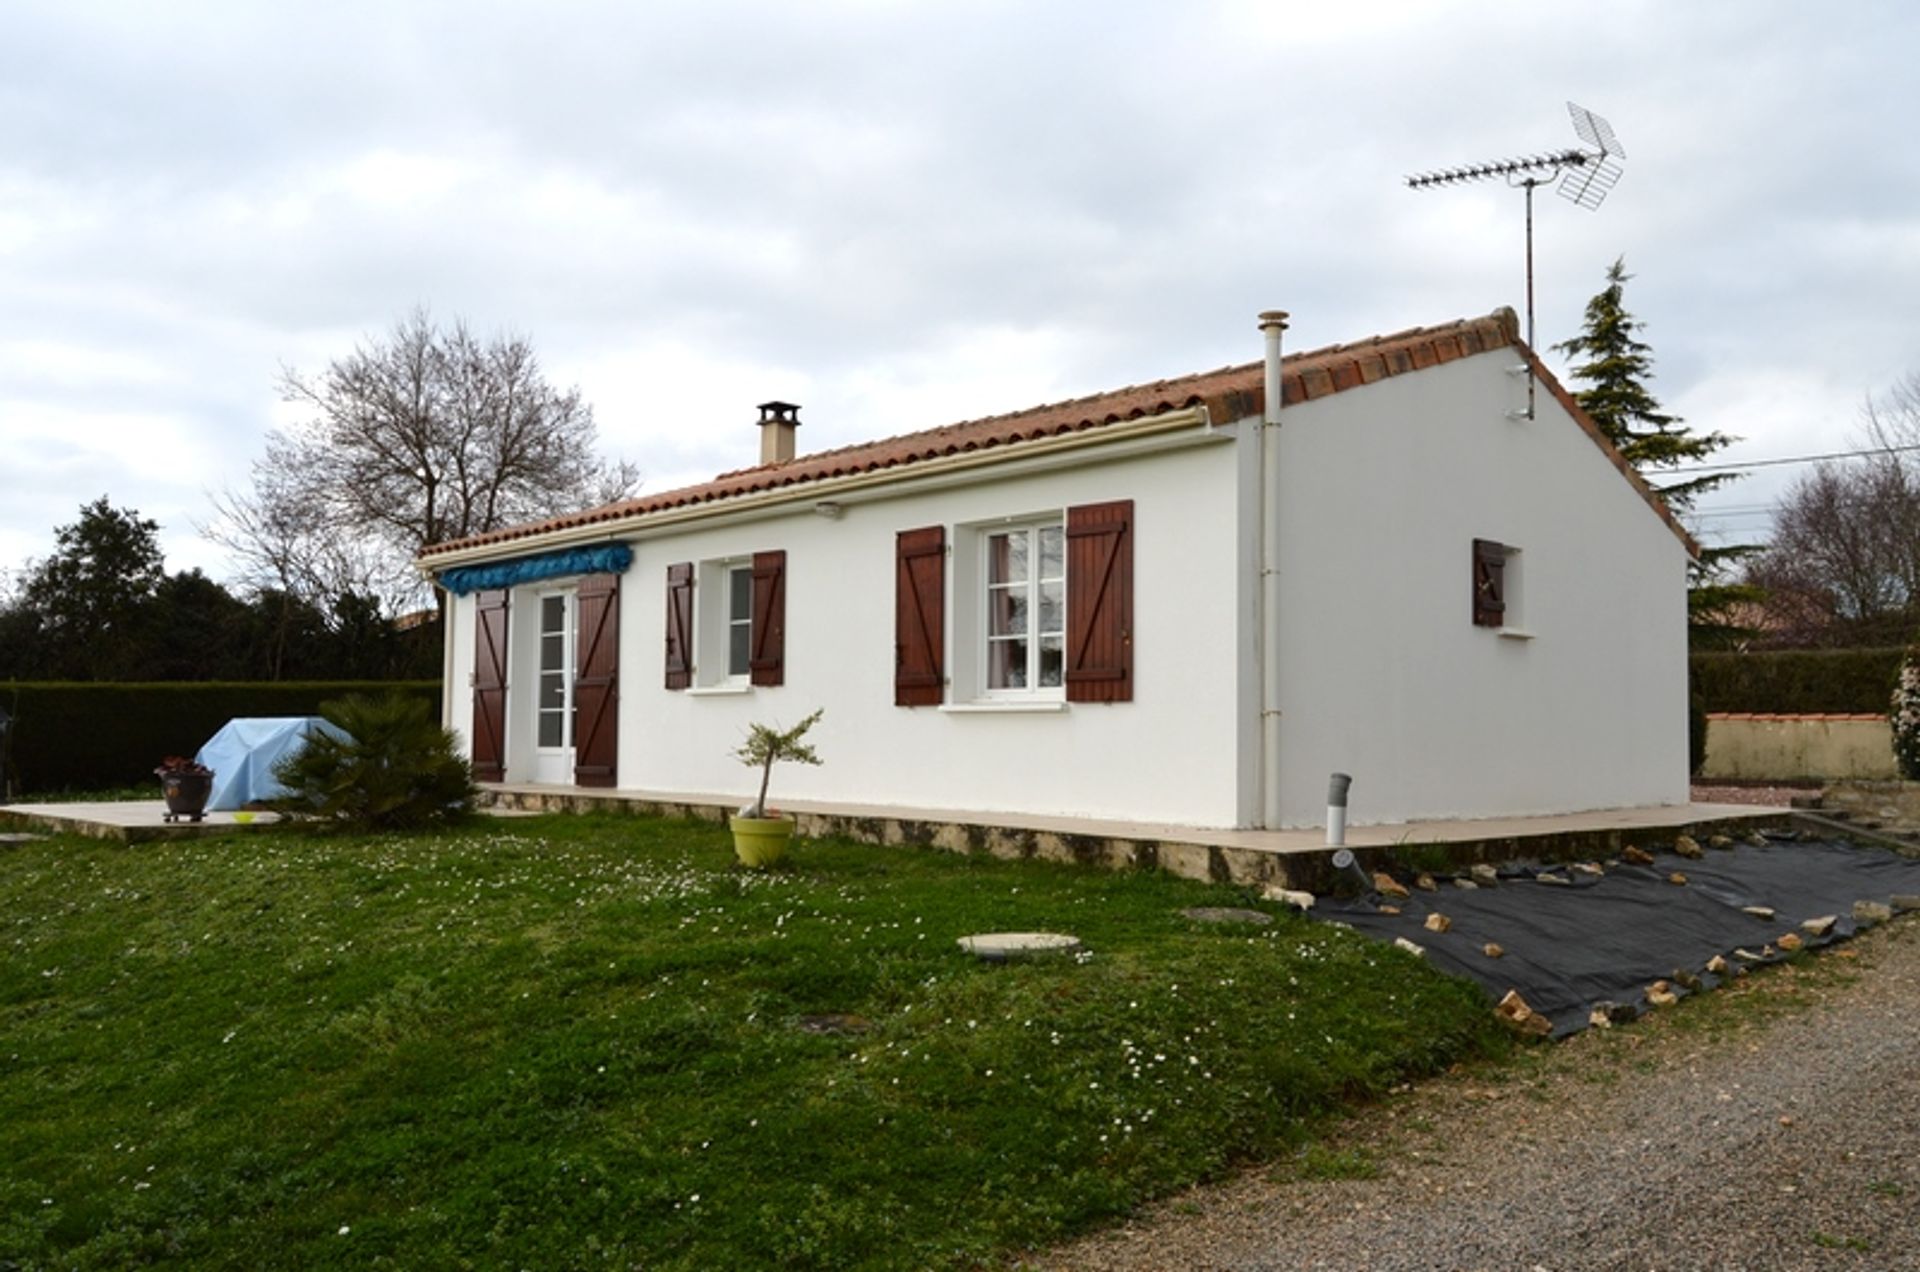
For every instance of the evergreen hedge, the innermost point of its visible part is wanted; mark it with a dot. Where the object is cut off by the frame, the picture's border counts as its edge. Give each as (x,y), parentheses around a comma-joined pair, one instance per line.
(80,737)
(1797,681)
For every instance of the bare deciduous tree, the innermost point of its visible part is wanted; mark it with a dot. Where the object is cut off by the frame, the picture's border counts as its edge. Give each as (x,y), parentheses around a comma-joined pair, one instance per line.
(1844,564)
(426,436)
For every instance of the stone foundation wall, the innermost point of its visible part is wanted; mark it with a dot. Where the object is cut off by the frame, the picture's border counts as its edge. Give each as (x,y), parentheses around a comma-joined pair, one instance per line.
(1311,871)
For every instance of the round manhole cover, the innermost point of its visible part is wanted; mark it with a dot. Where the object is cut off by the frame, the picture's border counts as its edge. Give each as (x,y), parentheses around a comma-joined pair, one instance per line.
(998,947)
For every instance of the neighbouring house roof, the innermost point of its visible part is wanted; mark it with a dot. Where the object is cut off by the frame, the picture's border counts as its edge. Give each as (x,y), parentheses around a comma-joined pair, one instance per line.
(1229,393)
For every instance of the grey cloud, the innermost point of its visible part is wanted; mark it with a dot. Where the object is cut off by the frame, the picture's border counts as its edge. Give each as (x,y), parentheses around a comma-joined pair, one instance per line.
(839,190)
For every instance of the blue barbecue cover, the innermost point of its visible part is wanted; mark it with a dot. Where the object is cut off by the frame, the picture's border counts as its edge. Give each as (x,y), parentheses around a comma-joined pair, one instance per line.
(243,753)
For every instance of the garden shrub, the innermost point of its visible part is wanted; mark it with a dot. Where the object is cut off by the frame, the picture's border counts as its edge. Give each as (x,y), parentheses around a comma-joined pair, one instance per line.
(1904,715)
(396,768)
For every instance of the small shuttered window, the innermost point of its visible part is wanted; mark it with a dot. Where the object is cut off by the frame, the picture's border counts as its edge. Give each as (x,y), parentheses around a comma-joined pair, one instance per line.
(1489,583)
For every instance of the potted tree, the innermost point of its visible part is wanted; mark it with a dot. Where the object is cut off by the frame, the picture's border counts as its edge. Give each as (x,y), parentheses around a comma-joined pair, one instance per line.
(760,834)
(187,785)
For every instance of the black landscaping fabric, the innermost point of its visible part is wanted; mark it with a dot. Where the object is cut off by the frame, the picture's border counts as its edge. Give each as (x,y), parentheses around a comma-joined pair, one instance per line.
(1572,945)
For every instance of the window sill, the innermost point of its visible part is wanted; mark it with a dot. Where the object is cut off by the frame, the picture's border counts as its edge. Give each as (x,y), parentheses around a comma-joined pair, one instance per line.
(1514,633)
(1009,707)
(720,691)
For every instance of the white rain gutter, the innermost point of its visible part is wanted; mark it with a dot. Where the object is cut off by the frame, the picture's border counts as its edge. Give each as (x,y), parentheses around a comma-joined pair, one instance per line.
(1011,459)
(1272,323)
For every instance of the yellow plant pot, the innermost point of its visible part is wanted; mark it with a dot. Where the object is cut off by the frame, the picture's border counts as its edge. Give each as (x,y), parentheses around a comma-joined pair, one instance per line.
(760,841)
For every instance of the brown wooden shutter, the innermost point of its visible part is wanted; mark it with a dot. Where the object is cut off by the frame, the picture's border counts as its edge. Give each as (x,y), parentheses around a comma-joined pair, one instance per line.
(766,664)
(680,625)
(596,680)
(490,686)
(1100,602)
(919,617)
(1489,583)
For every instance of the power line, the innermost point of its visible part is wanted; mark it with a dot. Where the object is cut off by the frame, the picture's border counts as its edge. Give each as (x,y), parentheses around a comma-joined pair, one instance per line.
(1734,510)
(1756,510)
(1788,459)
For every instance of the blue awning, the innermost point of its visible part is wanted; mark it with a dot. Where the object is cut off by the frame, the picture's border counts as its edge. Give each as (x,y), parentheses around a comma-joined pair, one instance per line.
(603,558)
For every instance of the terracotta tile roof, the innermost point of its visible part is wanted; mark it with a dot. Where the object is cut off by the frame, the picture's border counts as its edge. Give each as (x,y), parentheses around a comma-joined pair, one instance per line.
(1229,393)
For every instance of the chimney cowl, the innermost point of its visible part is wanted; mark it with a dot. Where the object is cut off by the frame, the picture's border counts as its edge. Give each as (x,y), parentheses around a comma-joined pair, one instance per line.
(778,420)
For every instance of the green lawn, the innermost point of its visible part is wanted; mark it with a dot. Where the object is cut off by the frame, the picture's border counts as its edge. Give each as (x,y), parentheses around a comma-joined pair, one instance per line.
(576,1042)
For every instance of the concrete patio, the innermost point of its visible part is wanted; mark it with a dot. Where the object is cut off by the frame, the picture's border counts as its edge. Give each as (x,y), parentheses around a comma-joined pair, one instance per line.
(131,821)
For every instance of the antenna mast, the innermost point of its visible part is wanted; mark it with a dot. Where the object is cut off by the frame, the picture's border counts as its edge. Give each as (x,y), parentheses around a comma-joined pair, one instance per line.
(1586,175)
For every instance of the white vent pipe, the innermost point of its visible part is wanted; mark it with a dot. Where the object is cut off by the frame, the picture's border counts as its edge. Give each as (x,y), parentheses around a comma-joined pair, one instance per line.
(1272,323)
(1337,809)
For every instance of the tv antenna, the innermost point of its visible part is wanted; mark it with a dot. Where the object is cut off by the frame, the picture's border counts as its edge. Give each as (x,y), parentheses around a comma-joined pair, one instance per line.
(1585,176)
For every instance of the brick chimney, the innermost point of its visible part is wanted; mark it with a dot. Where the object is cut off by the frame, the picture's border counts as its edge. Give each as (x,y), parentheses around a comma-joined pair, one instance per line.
(777,422)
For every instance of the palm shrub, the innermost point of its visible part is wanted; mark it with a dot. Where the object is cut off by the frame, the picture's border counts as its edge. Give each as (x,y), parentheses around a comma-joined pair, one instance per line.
(395,768)
(1904,715)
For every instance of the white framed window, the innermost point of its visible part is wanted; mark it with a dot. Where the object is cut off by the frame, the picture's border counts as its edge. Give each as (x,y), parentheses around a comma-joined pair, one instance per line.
(739,620)
(553,694)
(727,623)
(1023,610)
(1024,613)
(723,633)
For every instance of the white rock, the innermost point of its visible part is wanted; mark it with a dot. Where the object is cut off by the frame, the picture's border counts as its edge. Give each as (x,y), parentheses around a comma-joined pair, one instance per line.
(1870,912)
(1287,896)
(998,947)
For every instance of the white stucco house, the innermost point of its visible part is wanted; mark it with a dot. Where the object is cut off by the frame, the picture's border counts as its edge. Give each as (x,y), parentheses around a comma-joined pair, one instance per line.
(1165,604)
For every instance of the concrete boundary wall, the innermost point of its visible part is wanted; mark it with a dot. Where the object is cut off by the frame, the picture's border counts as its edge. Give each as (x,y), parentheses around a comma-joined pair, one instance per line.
(1746,746)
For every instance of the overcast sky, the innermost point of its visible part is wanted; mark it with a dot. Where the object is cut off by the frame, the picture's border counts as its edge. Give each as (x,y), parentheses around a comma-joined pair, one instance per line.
(901,214)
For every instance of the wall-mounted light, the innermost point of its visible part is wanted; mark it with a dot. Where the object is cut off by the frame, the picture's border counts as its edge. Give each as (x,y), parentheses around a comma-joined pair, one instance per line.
(829,509)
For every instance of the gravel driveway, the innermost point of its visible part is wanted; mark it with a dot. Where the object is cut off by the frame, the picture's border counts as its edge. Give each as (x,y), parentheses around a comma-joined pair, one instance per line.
(1771,1125)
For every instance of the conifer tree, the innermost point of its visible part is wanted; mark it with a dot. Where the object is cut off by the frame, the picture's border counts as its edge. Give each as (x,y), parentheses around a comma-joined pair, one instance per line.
(1617,366)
